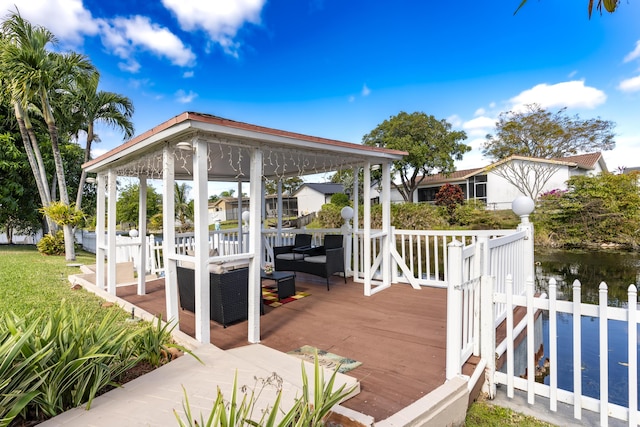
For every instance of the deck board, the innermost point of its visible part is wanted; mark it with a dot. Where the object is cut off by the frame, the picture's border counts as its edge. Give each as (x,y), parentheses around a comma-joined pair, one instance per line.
(398,334)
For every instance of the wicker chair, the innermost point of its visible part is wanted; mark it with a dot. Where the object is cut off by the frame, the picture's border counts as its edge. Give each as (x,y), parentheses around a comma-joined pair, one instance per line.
(228,294)
(285,258)
(323,261)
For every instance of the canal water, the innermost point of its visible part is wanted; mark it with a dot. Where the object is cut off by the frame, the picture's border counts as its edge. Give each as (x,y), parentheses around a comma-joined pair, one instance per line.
(618,270)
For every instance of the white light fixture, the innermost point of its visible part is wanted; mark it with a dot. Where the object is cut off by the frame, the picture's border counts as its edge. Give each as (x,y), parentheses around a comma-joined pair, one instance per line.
(346,213)
(523,206)
(245,216)
(90,180)
(133,233)
(184,145)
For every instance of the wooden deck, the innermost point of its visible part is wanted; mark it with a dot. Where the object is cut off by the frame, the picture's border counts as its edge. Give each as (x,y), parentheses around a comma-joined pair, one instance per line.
(399,335)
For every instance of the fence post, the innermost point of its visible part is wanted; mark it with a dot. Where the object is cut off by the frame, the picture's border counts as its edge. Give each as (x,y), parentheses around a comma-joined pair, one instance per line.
(454,309)
(633,355)
(488,334)
(604,355)
(523,206)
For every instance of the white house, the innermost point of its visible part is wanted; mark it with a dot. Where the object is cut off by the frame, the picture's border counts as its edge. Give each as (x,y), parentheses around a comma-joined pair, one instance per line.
(495,185)
(311,196)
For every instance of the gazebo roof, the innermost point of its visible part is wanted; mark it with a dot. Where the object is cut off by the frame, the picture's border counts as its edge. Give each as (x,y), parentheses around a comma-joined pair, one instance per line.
(284,153)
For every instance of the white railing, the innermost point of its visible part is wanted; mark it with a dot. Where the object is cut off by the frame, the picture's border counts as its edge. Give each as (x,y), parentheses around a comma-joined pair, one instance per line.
(421,255)
(496,257)
(583,316)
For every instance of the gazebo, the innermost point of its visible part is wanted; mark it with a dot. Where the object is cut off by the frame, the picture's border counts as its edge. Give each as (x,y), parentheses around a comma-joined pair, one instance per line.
(202,148)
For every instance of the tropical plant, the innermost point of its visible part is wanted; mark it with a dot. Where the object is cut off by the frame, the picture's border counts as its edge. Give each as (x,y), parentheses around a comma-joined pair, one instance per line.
(154,343)
(51,244)
(431,144)
(128,203)
(86,106)
(306,411)
(184,210)
(34,73)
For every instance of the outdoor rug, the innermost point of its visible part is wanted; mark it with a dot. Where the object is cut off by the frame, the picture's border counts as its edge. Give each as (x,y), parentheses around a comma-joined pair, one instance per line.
(270,296)
(326,359)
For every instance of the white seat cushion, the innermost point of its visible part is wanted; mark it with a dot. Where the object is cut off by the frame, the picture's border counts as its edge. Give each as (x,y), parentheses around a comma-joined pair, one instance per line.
(290,256)
(319,259)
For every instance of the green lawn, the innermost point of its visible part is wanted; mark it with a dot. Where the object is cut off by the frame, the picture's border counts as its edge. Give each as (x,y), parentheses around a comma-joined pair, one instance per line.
(31,281)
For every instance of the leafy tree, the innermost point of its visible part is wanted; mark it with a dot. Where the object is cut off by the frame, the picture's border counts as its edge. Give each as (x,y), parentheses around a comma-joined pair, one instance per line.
(128,203)
(609,5)
(536,132)
(289,185)
(430,143)
(18,211)
(86,106)
(227,193)
(598,209)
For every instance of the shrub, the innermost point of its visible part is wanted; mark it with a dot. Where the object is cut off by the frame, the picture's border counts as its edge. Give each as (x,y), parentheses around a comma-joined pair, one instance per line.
(329,216)
(340,199)
(52,244)
(77,357)
(450,197)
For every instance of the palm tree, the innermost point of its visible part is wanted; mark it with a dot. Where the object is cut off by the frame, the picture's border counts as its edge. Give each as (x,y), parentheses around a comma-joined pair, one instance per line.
(88,106)
(609,5)
(184,209)
(35,73)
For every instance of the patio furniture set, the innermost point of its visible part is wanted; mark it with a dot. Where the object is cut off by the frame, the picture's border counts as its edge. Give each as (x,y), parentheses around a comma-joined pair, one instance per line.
(229,283)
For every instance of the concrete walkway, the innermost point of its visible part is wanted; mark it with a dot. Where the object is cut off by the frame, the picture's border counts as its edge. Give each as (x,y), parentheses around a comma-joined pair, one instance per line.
(151,399)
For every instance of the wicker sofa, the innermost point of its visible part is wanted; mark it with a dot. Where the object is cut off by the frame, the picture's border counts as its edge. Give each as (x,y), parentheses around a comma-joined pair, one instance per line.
(323,261)
(229,298)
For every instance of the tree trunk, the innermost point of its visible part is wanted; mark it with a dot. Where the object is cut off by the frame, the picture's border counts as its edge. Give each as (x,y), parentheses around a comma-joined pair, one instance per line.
(42,186)
(83,174)
(69,247)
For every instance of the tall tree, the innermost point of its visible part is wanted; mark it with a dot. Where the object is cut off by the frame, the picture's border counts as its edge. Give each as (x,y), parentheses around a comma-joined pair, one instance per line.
(536,132)
(35,73)
(127,205)
(432,146)
(184,210)
(529,145)
(289,185)
(86,106)
(609,5)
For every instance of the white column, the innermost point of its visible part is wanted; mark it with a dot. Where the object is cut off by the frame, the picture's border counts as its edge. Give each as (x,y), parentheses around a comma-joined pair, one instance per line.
(356,223)
(169,234)
(111,234)
(385,199)
(279,208)
(101,182)
(142,234)
(255,245)
(241,247)
(201,234)
(366,268)
(454,309)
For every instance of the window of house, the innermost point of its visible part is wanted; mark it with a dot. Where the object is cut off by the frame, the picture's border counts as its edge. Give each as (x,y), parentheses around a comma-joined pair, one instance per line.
(478,188)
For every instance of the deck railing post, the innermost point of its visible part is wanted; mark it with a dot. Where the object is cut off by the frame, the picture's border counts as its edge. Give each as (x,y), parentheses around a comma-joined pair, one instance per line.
(488,334)
(454,309)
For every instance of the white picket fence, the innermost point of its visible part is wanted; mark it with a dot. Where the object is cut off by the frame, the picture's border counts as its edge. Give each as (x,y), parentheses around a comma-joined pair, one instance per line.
(600,313)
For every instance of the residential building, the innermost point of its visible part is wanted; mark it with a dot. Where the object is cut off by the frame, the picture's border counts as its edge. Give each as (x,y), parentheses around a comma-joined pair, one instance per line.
(312,196)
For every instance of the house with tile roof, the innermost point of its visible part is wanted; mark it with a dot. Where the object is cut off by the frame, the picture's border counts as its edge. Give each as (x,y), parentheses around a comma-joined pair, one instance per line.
(499,183)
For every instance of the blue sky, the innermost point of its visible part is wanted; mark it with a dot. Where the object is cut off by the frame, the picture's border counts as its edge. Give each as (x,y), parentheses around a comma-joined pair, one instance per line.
(337,69)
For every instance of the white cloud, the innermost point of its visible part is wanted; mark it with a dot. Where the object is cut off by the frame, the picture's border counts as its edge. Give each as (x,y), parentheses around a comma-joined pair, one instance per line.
(630,85)
(566,94)
(479,112)
(455,120)
(188,74)
(365,90)
(126,35)
(633,54)
(352,98)
(479,126)
(67,19)
(220,19)
(130,66)
(185,98)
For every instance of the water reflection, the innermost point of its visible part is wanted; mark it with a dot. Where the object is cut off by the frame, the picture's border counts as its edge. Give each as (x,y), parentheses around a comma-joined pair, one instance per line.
(617,269)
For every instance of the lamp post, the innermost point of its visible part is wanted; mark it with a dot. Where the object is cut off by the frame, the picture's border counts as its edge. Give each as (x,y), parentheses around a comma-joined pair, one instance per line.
(523,207)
